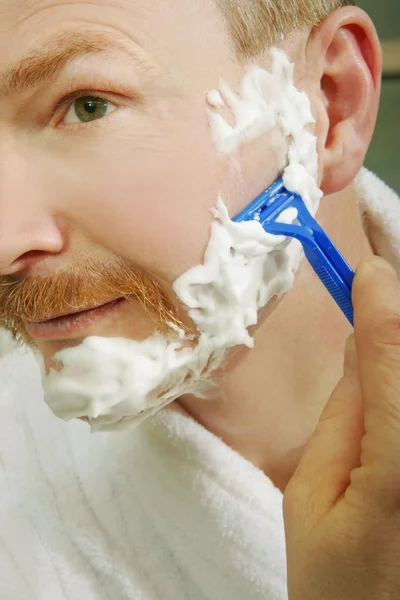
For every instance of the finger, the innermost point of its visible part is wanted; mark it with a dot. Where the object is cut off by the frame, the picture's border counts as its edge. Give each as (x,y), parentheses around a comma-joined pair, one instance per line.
(323,474)
(376,298)
(350,366)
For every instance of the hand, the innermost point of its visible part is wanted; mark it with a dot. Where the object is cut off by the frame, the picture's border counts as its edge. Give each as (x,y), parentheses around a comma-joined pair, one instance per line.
(342,507)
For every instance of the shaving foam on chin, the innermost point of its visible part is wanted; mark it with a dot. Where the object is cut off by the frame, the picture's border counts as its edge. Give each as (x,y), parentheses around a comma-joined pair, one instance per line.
(118,383)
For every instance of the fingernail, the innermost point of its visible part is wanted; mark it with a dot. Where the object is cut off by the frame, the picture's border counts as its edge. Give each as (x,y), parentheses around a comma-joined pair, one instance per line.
(350,356)
(374,265)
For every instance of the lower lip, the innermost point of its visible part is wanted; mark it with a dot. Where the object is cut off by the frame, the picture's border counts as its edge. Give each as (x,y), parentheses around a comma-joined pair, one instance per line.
(72,325)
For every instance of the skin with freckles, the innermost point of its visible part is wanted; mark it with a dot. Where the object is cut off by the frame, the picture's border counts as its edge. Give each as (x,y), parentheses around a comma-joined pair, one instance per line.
(110,162)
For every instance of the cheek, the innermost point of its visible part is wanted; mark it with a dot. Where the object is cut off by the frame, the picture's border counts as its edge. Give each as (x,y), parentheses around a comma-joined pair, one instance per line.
(262,161)
(145,200)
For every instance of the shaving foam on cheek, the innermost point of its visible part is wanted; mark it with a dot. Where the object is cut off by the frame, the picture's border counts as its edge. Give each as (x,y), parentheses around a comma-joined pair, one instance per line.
(118,383)
(266,101)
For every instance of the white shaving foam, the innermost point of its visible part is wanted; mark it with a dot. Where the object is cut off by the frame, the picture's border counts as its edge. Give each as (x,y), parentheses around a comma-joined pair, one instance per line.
(118,383)
(214,98)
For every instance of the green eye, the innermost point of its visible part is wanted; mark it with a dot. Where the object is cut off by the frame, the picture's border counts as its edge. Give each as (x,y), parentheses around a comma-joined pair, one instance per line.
(88,109)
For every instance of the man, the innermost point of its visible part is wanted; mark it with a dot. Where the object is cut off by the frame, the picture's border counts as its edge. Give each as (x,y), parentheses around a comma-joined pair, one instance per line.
(109,175)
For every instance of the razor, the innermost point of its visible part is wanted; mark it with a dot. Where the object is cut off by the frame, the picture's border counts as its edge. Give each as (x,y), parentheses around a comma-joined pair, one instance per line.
(322,254)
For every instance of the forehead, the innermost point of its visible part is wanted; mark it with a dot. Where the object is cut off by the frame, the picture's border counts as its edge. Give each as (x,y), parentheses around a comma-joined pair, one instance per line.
(190,30)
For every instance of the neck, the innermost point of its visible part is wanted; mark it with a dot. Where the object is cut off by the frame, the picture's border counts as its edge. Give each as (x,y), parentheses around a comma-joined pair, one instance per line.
(272,397)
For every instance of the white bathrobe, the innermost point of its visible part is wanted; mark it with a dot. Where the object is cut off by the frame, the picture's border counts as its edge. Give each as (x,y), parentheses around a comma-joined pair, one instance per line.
(166,512)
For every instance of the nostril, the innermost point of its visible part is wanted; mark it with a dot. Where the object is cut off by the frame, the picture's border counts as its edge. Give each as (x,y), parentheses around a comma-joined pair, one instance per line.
(25,244)
(32,255)
(23,261)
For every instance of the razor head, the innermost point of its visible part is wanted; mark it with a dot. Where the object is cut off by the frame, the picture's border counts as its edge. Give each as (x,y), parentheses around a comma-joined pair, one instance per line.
(264,202)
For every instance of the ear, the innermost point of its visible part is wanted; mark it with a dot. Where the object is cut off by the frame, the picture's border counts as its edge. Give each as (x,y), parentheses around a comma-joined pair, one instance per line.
(344,55)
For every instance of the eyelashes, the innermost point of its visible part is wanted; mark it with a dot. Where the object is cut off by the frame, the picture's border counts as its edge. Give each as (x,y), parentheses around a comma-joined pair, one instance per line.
(82,107)
(86,109)
(101,98)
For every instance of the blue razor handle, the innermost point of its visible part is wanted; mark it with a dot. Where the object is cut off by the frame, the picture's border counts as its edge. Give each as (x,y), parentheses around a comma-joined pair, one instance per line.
(322,254)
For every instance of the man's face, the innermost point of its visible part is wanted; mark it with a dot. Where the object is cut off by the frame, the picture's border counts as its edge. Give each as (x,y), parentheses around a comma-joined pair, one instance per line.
(107,167)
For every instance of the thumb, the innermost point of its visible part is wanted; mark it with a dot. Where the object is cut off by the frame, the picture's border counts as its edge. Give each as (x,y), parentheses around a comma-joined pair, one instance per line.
(333,452)
(377,324)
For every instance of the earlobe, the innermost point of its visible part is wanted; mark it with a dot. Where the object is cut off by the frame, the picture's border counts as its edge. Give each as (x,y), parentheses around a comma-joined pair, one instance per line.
(350,90)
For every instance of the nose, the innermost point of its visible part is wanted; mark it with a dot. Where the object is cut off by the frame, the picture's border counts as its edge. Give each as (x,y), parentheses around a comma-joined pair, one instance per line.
(26,237)
(29,231)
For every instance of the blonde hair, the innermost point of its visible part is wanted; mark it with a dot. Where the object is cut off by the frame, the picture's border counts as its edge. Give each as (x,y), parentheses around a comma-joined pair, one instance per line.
(255,24)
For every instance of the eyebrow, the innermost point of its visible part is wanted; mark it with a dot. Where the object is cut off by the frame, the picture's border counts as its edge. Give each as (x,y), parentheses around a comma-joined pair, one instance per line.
(45,63)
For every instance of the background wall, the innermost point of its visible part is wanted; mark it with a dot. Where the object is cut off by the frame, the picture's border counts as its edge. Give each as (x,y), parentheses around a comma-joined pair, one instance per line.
(384,155)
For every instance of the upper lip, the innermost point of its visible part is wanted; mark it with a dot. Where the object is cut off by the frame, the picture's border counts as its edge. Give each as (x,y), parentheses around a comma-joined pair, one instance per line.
(70,312)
